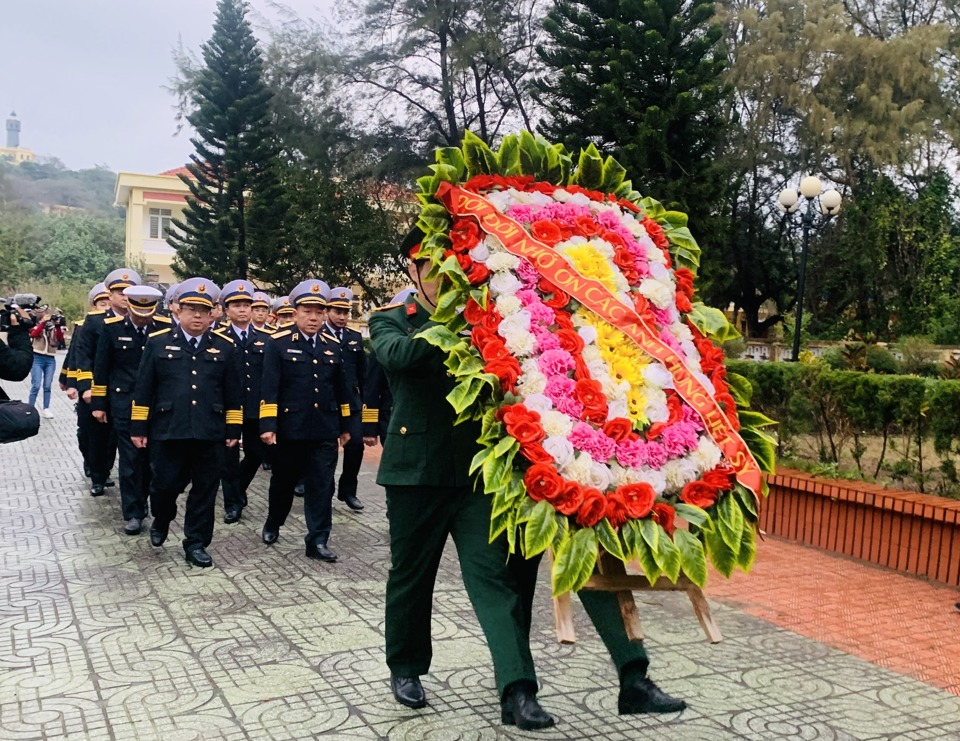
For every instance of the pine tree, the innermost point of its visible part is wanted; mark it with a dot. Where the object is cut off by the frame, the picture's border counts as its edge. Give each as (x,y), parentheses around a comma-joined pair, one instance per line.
(642,79)
(235,209)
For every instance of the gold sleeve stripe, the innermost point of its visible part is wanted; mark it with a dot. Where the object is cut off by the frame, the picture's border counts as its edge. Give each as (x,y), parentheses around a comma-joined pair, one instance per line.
(139,414)
(234,416)
(98,390)
(84,375)
(370,415)
(344,410)
(267,410)
(71,373)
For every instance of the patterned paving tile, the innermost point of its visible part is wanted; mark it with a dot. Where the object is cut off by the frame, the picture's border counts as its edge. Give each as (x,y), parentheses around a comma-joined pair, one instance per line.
(104,637)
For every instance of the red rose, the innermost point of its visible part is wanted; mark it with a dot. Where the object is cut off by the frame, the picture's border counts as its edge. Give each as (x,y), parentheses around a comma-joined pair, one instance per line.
(613,238)
(507,370)
(593,507)
(719,478)
(473,312)
(619,428)
(536,453)
(558,300)
(655,232)
(494,349)
(664,515)
(616,511)
(627,264)
(584,226)
(683,303)
(562,320)
(465,235)
(465,261)
(491,320)
(570,341)
(542,482)
(590,393)
(480,335)
(546,231)
(638,499)
(699,494)
(477,273)
(569,499)
(685,282)
(522,424)
(580,370)
(729,406)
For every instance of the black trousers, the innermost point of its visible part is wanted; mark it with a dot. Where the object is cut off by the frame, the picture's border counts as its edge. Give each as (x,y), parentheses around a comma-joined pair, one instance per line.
(134,468)
(84,421)
(314,462)
(176,463)
(238,473)
(352,458)
(103,448)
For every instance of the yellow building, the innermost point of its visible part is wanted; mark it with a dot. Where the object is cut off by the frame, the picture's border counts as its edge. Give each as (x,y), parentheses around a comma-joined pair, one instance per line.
(13,151)
(152,202)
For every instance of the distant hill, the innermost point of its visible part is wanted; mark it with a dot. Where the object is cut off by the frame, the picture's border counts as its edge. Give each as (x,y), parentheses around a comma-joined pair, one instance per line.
(50,186)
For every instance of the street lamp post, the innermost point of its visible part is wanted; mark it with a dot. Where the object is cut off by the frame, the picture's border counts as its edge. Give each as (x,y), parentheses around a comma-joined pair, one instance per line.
(789,200)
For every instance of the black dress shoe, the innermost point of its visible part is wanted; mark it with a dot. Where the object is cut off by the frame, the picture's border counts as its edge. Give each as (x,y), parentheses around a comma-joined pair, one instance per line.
(132,526)
(270,534)
(158,535)
(643,696)
(198,557)
(353,503)
(408,691)
(232,515)
(298,490)
(321,553)
(108,483)
(520,708)
(96,490)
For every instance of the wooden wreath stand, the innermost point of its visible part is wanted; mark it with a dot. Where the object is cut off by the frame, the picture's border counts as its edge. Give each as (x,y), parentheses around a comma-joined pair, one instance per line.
(612,576)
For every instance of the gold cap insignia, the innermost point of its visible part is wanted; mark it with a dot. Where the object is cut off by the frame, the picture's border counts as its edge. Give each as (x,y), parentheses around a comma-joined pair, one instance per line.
(202,288)
(315,288)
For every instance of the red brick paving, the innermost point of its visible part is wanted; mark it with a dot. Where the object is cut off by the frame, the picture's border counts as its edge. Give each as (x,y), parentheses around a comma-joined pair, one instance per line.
(900,622)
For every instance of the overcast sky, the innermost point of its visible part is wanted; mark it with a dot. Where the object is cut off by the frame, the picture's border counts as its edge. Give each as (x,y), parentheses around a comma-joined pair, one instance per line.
(86,77)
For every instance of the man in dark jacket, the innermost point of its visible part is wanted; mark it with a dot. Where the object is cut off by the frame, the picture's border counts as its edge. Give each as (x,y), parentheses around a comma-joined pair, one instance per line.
(305,409)
(16,359)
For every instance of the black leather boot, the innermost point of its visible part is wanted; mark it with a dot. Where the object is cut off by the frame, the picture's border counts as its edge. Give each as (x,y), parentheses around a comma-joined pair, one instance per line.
(519,707)
(408,691)
(641,695)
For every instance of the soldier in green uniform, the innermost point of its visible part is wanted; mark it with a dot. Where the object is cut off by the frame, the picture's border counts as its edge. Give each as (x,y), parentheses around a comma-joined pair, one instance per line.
(430,496)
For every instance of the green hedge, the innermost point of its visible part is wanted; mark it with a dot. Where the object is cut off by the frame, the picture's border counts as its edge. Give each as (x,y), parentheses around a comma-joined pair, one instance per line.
(843,409)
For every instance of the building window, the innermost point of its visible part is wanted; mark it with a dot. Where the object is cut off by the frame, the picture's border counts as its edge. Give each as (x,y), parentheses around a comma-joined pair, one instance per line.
(160,224)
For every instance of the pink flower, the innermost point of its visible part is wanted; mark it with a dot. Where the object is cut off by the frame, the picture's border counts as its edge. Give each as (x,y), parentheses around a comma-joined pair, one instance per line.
(675,439)
(540,313)
(632,453)
(546,341)
(656,455)
(592,442)
(691,416)
(527,273)
(555,363)
(528,297)
(521,212)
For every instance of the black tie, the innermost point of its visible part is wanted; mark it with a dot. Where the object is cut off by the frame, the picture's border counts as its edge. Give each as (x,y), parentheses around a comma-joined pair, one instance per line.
(339,335)
(194,342)
(141,335)
(243,336)
(313,344)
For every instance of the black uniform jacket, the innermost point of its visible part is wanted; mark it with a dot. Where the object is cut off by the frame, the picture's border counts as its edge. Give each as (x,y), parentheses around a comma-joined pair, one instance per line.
(377,400)
(117,361)
(68,373)
(249,355)
(354,361)
(304,391)
(187,394)
(86,353)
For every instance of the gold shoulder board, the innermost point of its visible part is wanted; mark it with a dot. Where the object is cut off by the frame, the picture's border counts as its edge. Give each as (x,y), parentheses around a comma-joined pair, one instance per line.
(219,333)
(278,335)
(388,306)
(114,320)
(159,331)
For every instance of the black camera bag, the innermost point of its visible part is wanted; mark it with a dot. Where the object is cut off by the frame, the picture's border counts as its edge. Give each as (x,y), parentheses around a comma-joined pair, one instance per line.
(18,421)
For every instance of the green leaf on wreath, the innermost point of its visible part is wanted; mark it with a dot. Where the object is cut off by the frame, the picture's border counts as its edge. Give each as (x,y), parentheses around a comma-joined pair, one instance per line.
(740,388)
(503,447)
(540,529)
(499,524)
(445,174)
(723,559)
(451,268)
(465,393)
(652,209)
(693,559)
(613,175)
(531,154)
(478,156)
(729,522)
(763,447)
(748,548)
(590,168)
(434,218)
(491,428)
(676,219)
(667,556)
(712,323)
(502,502)
(447,306)
(452,156)
(563,531)
(693,515)
(441,337)
(609,539)
(574,562)
(648,564)
(651,533)
(748,501)
(509,155)
(749,418)
(479,458)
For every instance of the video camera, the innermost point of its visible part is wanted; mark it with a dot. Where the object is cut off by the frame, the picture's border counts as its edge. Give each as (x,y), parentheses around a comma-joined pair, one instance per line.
(29,302)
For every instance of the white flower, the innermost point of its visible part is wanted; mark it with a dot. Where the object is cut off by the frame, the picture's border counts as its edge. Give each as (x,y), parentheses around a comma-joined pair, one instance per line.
(556,424)
(500,261)
(520,343)
(681,331)
(579,469)
(561,450)
(656,409)
(588,333)
(600,476)
(660,293)
(531,382)
(597,368)
(538,403)
(654,254)
(603,247)
(656,479)
(706,456)
(508,305)
(500,199)
(618,408)
(659,272)
(518,321)
(679,472)
(504,282)
(592,354)
(480,253)
(619,475)
(656,375)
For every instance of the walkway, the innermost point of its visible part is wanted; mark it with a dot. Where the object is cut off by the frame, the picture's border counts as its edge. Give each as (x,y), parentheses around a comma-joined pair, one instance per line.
(104,637)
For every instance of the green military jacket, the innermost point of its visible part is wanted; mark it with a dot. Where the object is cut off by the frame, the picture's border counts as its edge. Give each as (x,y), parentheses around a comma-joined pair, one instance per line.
(422,447)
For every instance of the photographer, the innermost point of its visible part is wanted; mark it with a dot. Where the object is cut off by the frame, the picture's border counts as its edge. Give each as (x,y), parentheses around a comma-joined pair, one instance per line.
(46,337)
(15,359)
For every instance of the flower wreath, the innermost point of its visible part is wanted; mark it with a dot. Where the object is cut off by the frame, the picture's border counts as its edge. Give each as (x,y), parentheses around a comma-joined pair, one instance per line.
(568,317)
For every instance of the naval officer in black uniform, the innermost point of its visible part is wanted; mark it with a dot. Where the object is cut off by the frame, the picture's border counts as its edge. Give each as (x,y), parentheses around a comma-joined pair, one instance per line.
(115,369)
(305,408)
(187,405)
(339,304)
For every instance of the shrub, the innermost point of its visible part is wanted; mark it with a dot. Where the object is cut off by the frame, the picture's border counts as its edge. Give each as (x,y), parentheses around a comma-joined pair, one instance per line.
(881,360)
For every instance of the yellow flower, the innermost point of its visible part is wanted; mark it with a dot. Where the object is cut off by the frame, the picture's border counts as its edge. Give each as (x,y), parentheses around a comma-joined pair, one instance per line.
(624,360)
(591,263)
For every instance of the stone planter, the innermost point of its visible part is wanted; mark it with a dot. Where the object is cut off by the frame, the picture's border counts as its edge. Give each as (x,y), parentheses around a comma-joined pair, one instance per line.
(910,532)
